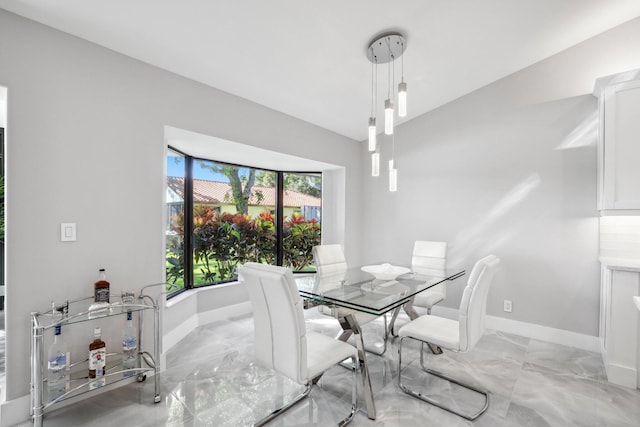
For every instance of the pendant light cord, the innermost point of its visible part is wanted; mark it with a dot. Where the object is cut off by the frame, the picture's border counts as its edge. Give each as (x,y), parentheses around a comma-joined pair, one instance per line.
(402,61)
(392,64)
(372,92)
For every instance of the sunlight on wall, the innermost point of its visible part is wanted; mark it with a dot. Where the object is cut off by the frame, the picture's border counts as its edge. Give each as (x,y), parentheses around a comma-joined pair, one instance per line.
(584,135)
(470,240)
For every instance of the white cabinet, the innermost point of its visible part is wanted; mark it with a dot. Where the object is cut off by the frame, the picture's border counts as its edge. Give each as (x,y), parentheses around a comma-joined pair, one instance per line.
(619,323)
(619,142)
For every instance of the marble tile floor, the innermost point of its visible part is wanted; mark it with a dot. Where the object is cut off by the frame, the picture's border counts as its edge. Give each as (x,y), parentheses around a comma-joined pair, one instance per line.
(211,380)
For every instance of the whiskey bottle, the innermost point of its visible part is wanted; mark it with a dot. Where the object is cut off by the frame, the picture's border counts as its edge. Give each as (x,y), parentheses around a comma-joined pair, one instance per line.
(100,306)
(97,357)
(101,288)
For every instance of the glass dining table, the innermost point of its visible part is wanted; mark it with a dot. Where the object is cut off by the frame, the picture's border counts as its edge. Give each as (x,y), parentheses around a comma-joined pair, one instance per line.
(375,290)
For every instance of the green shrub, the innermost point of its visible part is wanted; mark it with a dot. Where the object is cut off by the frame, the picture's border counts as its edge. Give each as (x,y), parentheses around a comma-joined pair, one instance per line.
(222,242)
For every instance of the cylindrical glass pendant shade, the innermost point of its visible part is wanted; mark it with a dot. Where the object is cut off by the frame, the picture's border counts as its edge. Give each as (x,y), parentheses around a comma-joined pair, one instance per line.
(393,180)
(372,134)
(402,99)
(388,117)
(375,164)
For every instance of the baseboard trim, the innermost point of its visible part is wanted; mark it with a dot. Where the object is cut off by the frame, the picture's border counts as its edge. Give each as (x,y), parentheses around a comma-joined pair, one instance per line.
(224,313)
(174,336)
(199,319)
(622,375)
(12,411)
(530,330)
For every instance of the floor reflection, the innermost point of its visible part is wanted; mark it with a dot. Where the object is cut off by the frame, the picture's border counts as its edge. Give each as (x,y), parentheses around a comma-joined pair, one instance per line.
(212,380)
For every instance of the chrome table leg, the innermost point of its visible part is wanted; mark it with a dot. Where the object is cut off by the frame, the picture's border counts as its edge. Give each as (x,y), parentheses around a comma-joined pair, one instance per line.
(349,323)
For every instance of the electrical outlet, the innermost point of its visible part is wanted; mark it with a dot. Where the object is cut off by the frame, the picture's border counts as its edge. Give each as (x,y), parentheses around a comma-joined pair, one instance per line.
(508,306)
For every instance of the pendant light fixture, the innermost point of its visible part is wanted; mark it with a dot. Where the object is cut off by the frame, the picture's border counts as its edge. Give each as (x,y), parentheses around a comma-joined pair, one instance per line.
(372,118)
(402,90)
(385,49)
(375,163)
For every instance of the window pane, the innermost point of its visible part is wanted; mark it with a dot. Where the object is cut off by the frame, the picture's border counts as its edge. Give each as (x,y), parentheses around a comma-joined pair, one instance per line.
(232,221)
(302,210)
(175,219)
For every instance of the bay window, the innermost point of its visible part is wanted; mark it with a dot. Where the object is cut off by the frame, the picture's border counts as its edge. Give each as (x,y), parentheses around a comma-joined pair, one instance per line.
(221,215)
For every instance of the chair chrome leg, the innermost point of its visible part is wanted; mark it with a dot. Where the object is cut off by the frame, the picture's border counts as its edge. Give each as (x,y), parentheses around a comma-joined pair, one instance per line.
(354,394)
(431,401)
(432,347)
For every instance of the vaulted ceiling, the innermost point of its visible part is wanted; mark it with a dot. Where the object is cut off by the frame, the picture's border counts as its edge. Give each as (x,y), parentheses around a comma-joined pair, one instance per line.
(308,58)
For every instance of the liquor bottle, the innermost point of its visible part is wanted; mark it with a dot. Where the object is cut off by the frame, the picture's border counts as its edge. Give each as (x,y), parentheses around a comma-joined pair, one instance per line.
(101,288)
(129,346)
(100,306)
(57,365)
(97,358)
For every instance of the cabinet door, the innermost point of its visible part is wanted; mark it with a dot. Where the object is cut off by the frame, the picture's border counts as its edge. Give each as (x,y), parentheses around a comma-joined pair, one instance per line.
(621,186)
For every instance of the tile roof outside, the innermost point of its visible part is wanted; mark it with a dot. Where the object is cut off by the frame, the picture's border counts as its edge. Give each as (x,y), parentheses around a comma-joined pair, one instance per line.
(216,192)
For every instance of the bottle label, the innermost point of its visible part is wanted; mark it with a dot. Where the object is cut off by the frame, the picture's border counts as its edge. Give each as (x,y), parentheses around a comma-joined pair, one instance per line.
(102,294)
(129,343)
(97,359)
(59,361)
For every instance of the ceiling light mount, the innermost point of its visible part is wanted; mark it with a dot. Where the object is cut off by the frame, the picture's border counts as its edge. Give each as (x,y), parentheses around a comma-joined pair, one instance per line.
(386,48)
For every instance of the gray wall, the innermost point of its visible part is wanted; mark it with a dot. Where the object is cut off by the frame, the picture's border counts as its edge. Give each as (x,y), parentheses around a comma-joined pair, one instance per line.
(509,169)
(85,144)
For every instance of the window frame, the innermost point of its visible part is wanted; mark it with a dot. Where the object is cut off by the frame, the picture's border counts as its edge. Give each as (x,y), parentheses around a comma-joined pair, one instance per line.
(188,227)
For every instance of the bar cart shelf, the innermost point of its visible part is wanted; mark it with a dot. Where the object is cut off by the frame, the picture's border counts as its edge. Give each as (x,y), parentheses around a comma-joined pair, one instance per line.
(82,311)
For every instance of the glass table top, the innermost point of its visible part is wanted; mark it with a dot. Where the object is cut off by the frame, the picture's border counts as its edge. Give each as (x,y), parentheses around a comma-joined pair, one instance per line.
(362,291)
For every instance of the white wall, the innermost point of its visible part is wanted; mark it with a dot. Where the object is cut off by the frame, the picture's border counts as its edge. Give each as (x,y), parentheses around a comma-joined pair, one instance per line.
(3,107)
(85,144)
(509,169)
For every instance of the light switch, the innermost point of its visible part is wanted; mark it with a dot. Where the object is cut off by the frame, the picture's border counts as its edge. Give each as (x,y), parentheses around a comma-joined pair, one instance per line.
(68,232)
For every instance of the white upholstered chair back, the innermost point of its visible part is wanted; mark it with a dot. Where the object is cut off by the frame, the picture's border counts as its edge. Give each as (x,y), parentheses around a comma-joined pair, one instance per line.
(280,331)
(329,260)
(429,257)
(474,302)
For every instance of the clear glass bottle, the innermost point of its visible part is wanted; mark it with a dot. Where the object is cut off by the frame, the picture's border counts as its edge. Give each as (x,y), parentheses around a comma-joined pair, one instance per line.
(129,346)
(97,359)
(57,364)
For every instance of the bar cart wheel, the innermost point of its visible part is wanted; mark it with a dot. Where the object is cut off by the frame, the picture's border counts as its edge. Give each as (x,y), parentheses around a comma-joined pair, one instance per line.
(141,377)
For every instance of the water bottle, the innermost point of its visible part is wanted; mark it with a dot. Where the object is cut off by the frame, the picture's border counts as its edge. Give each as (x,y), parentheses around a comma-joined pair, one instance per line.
(129,347)
(57,366)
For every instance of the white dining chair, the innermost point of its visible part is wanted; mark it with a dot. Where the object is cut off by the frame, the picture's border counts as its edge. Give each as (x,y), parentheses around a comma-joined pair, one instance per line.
(429,258)
(329,259)
(282,341)
(331,264)
(456,335)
